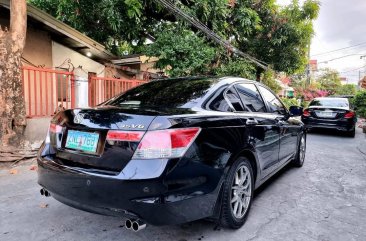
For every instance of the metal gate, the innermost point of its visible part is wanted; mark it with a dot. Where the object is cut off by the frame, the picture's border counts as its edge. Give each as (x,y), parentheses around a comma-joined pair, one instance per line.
(102,88)
(47,90)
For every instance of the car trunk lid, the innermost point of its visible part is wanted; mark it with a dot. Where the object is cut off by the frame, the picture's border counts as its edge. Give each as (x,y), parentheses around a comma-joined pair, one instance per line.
(82,140)
(322,112)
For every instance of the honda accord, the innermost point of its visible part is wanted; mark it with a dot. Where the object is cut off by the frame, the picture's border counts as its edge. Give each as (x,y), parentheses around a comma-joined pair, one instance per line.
(172,151)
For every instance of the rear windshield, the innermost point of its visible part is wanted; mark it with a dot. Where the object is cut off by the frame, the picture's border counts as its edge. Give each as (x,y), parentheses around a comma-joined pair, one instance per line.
(174,93)
(330,102)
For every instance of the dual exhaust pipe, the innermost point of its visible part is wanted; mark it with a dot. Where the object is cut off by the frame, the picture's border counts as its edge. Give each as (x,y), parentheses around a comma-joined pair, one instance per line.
(135,225)
(45,193)
(131,224)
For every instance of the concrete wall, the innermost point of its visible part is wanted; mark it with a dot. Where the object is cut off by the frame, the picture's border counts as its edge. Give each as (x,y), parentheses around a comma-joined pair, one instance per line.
(82,64)
(36,129)
(38,48)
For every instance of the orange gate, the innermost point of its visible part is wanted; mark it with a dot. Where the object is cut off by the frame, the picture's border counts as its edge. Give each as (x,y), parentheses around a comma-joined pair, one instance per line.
(46,90)
(102,88)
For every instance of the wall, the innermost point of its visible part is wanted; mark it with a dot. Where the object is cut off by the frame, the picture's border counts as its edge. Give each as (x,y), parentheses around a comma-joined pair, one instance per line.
(38,48)
(61,53)
(36,129)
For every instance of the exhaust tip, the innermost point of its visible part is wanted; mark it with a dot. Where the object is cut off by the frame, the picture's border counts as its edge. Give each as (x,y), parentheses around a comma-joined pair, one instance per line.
(44,192)
(138,225)
(128,224)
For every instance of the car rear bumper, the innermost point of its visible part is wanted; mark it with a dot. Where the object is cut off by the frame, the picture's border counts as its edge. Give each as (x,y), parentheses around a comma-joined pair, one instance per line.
(342,125)
(148,200)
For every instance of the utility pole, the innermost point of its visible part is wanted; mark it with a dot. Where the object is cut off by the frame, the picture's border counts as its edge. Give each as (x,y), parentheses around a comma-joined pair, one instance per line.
(308,67)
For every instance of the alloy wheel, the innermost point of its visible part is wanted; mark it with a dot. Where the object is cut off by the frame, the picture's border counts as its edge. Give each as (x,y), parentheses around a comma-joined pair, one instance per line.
(241,192)
(302,149)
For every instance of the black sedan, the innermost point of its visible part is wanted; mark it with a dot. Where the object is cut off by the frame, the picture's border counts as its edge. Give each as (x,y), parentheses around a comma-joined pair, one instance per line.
(330,113)
(172,151)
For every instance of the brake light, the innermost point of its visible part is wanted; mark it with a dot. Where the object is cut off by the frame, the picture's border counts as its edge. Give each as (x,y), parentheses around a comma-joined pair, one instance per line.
(306,113)
(166,143)
(124,135)
(349,115)
(55,128)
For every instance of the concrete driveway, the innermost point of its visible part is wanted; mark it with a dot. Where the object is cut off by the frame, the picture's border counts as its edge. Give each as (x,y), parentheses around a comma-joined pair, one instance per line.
(324,200)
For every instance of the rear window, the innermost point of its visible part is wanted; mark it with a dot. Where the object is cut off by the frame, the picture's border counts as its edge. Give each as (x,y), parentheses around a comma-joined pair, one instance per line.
(174,93)
(330,102)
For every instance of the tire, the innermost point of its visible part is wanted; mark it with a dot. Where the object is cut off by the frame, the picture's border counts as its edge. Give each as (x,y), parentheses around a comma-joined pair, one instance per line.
(352,133)
(237,187)
(300,154)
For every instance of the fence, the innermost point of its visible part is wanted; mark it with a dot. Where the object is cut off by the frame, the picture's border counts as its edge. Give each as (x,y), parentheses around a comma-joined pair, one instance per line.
(102,88)
(47,89)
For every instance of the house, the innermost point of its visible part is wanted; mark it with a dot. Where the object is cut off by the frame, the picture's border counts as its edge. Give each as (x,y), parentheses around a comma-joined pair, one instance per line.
(286,91)
(344,80)
(63,68)
(362,83)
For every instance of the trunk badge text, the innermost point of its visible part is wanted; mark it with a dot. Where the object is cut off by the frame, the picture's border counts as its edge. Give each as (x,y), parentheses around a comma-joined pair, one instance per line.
(78,118)
(133,126)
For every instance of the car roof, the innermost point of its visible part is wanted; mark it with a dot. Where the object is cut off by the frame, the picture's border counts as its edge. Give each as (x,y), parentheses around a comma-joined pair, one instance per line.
(225,79)
(330,98)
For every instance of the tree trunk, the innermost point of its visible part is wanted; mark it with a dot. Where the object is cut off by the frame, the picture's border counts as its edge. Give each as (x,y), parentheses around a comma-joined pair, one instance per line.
(12,106)
(258,73)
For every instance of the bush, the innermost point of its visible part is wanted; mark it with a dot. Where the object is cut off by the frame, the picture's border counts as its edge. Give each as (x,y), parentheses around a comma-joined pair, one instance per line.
(360,103)
(289,102)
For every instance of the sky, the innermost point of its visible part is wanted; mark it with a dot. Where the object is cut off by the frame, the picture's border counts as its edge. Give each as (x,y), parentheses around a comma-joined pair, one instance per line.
(341,24)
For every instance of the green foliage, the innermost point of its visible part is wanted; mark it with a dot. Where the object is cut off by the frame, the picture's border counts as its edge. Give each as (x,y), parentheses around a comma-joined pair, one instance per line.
(190,54)
(359,101)
(347,89)
(268,78)
(278,36)
(289,102)
(284,35)
(330,81)
(236,67)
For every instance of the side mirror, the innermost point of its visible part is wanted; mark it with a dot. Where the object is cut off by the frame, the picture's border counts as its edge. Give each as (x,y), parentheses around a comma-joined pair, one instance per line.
(296,110)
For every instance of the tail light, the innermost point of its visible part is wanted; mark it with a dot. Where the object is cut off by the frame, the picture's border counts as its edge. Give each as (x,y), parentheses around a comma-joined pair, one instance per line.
(133,136)
(349,115)
(55,128)
(166,143)
(124,135)
(306,113)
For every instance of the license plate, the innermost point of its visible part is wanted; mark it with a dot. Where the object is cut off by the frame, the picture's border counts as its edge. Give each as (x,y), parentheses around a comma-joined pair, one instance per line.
(83,141)
(326,114)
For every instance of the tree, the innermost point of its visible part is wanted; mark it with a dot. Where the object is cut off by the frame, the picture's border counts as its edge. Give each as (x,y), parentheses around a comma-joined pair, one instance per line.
(268,78)
(12,41)
(283,36)
(360,103)
(279,36)
(347,89)
(329,80)
(190,54)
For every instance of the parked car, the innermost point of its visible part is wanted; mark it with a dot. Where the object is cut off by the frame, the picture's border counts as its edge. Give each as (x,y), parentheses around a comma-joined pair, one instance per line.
(172,151)
(330,113)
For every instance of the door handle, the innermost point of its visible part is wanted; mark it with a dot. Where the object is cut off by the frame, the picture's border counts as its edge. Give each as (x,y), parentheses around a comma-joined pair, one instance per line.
(251,122)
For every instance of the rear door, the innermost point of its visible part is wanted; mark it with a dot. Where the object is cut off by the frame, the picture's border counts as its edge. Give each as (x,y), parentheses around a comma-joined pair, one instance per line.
(288,130)
(264,132)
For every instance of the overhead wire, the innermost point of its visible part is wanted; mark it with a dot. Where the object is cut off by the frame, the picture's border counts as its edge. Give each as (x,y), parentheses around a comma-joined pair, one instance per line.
(347,71)
(212,35)
(336,50)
